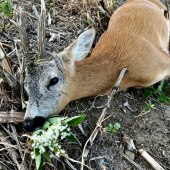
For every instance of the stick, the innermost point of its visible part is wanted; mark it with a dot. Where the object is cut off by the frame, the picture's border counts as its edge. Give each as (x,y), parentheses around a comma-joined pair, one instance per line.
(17,117)
(131,161)
(6,69)
(148,158)
(95,132)
(114,90)
(15,137)
(41,29)
(13,154)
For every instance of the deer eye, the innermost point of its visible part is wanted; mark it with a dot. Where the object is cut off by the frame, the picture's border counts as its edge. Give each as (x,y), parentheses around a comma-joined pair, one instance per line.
(53,81)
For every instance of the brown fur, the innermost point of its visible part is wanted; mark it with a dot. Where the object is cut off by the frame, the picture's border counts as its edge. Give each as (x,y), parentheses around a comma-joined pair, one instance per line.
(136,38)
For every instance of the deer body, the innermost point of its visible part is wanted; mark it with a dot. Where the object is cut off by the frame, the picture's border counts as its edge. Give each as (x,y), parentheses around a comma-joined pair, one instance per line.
(137,38)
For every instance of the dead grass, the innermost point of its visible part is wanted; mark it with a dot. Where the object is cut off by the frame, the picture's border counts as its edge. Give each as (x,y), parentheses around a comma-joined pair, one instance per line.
(69,19)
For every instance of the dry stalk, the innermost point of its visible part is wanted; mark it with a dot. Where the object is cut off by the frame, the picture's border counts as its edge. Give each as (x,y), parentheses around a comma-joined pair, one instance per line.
(131,147)
(6,70)
(22,31)
(16,117)
(41,19)
(15,137)
(13,154)
(148,158)
(101,118)
(131,161)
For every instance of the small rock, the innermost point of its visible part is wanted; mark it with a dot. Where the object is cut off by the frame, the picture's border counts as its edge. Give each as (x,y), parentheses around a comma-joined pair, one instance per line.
(168,122)
(64,6)
(131,155)
(1,31)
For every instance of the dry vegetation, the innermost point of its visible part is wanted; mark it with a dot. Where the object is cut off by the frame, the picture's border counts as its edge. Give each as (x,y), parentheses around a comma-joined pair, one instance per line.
(65,21)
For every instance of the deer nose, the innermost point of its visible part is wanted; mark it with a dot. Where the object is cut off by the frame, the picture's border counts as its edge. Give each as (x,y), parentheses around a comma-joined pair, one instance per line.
(33,124)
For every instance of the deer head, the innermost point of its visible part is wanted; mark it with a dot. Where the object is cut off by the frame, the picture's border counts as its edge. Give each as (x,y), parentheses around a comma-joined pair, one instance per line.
(48,83)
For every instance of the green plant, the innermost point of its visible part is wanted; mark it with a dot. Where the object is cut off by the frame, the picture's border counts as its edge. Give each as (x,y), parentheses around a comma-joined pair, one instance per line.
(47,139)
(113,128)
(6,8)
(1,76)
(88,19)
(149,105)
(159,92)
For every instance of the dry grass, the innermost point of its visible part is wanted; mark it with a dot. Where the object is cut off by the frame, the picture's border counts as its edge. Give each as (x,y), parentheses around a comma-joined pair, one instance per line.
(69,19)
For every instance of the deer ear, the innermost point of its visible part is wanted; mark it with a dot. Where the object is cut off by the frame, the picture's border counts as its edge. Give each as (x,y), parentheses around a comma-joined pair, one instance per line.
(80,47)
(83,44)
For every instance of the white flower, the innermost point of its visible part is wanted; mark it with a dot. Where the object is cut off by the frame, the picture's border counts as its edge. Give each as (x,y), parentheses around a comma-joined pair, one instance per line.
(49,138)
(62,151)
(32,155)
(57,154)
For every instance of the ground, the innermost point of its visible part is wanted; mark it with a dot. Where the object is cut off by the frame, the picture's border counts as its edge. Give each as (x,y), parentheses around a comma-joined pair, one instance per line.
(150,130)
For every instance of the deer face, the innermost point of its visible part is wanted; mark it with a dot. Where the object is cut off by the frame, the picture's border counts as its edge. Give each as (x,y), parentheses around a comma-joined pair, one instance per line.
(46,87)
(47,83)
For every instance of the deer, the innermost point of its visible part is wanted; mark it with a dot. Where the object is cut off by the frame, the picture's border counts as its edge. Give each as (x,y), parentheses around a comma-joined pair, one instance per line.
(137,38)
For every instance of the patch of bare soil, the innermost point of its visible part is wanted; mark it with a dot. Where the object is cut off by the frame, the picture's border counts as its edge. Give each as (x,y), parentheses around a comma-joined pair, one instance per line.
(149,130)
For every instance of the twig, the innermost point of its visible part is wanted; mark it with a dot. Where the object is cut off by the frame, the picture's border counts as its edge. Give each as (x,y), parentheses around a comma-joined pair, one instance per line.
(6,69)
(24,167)
(41,19)
(131,161)
(17,117)
(95,132)
(142,113)
(21,27)
(148,158)
(73,160)
(14,155)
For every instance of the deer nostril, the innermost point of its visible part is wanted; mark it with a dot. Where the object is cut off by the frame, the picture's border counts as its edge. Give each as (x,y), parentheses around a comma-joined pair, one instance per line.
(33,124)
(29,125)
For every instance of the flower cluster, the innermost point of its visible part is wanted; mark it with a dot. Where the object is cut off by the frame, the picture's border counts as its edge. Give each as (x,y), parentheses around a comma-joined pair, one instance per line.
(50,138)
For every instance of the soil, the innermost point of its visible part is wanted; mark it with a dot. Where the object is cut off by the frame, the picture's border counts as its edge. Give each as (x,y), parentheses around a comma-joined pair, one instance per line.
(150,130)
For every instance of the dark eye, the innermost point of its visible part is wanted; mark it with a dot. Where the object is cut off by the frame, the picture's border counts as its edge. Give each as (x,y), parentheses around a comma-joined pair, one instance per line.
(53,81)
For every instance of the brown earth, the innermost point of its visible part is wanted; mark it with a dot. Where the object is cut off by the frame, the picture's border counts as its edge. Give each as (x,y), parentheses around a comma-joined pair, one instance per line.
(150,131)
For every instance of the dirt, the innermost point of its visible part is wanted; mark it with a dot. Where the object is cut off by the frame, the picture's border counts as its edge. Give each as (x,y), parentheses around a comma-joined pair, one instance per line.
(149,131)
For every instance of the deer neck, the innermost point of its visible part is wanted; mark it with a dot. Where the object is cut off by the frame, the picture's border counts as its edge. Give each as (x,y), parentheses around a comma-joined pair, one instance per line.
(91,78)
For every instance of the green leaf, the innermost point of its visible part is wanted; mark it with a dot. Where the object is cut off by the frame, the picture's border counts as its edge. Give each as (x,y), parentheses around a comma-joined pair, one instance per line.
(168,92)
(36,151)
(149,105)
(88,18)
(6,8)
(117,126)
(151,89)
(113,130)
(74,121)
(53,120)
(159,89)
(147,94)
(107,129)
(72,138)
(47,155)
(98,15)
(46,125)
(162,98)
(36,132)
(111,126)
(167,101)
(39,162)
(1,76)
